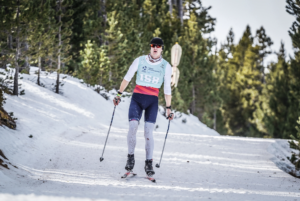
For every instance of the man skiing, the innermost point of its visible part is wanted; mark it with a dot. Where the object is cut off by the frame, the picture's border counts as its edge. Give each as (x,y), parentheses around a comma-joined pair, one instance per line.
(152,70)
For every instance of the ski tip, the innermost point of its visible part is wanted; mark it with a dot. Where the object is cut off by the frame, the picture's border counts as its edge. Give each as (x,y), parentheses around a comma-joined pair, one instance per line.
(151,179)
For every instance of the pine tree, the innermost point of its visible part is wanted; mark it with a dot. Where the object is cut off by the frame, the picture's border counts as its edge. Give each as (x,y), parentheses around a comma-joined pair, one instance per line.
(95,65)
(196,61)
(94,22)
(295,144)
(89,24)
(224,77)
(17,54)
(272,112)
(64,23)
(41,37)
(293,8)
(232,106)
(15,26)
(123,37)
(6,14)
(243,82)
(264,44)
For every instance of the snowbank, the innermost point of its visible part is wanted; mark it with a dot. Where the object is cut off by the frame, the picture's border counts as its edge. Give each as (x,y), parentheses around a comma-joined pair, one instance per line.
(282,151)
(83,101)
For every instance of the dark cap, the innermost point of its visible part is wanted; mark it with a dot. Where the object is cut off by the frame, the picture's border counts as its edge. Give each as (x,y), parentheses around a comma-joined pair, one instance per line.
(157,41)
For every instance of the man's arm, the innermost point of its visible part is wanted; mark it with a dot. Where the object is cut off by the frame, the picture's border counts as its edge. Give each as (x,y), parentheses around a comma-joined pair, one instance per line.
(168,104)
(167,89)
(123,85)
(130,73)
(168,99)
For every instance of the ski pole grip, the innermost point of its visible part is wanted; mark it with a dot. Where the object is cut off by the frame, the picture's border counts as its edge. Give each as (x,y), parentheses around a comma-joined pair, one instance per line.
(170,116)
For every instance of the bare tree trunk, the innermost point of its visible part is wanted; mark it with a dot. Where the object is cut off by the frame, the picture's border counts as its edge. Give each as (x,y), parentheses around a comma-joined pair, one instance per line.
(10,41)
(170,6)
(16,77)
(26,65)
(174,2)
(215,119)
(51,63)
(16,84)
(194,99)
(59,50)
(180,11)
(39,73)
(102,13)
(50,55)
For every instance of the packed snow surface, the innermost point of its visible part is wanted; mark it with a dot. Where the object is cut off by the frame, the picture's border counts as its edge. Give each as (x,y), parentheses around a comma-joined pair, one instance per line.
(61,160)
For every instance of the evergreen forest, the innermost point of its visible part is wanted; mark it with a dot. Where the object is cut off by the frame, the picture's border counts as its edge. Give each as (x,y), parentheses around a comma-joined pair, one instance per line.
(230,89)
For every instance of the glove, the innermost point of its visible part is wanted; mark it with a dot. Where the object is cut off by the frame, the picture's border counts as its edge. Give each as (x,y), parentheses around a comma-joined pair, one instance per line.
(117,100)
(170,115)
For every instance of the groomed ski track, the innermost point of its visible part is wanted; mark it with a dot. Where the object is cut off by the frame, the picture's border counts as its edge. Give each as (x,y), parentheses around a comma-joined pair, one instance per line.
(61,161)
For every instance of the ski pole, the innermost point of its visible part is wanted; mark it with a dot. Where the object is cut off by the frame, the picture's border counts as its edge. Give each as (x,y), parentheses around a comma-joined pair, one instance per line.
(158,165)
(101,158)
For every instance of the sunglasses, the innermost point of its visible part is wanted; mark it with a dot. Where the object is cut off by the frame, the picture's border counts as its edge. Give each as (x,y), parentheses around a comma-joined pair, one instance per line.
(155,45)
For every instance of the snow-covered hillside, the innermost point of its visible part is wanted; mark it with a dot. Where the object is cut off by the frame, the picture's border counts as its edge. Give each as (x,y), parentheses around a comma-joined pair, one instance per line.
(61,160)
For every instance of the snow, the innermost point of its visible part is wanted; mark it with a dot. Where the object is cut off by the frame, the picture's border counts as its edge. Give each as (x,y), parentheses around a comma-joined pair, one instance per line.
(61,160)
(281,151)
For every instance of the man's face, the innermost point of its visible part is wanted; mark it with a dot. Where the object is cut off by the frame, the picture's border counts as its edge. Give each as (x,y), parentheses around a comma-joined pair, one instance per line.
(155,51)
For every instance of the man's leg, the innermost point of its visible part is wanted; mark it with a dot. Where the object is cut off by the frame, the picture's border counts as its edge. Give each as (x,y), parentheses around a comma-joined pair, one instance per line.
(135,113)
(131,136)
(149,141)
(150,119)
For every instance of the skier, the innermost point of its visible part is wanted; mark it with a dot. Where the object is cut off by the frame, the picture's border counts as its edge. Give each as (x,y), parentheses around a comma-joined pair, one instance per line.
(152,70)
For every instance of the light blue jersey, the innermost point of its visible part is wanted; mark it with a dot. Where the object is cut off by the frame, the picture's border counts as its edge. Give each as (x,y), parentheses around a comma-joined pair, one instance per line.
(150,75)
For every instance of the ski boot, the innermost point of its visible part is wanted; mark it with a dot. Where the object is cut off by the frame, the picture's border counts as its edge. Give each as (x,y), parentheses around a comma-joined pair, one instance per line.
(148,167)
(130,162)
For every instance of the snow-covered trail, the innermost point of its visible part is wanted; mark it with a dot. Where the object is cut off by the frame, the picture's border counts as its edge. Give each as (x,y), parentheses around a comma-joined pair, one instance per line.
(219,168)
(61,161)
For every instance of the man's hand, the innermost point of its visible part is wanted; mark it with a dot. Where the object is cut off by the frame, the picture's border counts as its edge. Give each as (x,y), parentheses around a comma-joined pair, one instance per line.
(117,100)
(170,115)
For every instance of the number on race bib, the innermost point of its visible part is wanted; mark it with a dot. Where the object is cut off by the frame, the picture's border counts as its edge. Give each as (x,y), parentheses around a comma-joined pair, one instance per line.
(155,80)
(148,78)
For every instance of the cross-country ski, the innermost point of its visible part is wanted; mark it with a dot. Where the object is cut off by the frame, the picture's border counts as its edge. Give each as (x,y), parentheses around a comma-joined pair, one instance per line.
(128,174)
(150,178)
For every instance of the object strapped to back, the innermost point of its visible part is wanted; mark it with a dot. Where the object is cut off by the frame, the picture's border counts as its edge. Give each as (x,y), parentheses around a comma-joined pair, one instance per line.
(175,59)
